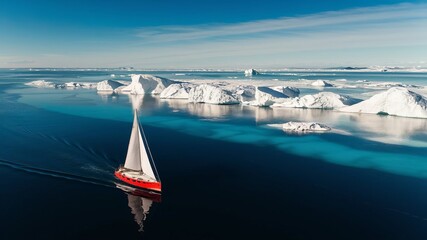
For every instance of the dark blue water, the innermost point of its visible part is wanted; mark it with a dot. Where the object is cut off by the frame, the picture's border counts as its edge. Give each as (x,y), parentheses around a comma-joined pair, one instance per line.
(57,176)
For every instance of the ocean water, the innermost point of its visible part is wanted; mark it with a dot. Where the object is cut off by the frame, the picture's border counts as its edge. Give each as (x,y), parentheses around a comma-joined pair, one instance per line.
(226,172)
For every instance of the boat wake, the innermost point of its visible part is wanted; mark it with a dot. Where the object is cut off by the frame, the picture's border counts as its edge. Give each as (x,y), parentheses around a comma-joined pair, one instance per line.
(57,174)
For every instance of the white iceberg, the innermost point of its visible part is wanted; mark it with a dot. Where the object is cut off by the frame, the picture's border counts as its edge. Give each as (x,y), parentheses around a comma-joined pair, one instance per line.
(321,83)
(267,96)
(108,86)
(244,92)
(211,94)
(322,100)
(147,84)
(41,84)
(177,91)
(288,91)
(305,127)
(396,101)
(251,72)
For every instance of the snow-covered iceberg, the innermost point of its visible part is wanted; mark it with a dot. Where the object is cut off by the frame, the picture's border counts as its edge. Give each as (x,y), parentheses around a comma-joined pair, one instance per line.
(41,84)
(147,84)
(305,127)
(177,91)
(267,96)
(108,86)
(205,93)
(251,72)
(244,92)
(322,100)
(396,101)
(321,83)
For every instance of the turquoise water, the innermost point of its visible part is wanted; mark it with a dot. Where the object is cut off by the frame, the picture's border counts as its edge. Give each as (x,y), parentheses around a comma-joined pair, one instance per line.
(370,169)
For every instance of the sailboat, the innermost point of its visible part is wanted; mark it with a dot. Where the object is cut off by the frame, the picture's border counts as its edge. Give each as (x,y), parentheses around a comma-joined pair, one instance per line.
(139,169)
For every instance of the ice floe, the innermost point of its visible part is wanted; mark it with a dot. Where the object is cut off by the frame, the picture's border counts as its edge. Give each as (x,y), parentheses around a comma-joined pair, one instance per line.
(305,127)
(396,101)
(73,85)
(41,84)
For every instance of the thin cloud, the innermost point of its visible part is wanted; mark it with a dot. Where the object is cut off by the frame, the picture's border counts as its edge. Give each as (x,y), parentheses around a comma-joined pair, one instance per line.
(354,17)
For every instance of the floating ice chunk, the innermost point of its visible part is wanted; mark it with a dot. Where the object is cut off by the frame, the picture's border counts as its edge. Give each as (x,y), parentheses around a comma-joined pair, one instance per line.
(108,86)
(177,91)
(321,83)
(305,127)
(267,96)
(244,92)
(322,100)
(390,84)
(71,85)
(41,84)
(288,91)
(211,94)
(142,84)
(251,72)
(396,101)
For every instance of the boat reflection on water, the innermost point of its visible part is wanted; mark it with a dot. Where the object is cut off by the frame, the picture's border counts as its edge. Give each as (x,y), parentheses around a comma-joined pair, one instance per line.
(140,202)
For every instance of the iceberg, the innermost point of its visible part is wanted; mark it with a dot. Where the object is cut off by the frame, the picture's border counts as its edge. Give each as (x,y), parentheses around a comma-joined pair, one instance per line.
(321,83)
(211,94)
(244,92)
(147,84)
(305,127)
(251,72)
(108,86)
(322,100)
(396,101)
(177,91)
(267,96)
(288,91)
(42,84)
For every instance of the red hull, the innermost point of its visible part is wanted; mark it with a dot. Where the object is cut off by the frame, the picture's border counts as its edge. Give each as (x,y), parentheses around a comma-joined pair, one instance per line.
(155,186)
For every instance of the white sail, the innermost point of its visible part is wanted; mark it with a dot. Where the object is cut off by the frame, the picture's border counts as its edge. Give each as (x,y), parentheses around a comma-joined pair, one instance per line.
(145,161)
(133,156)
(137,156)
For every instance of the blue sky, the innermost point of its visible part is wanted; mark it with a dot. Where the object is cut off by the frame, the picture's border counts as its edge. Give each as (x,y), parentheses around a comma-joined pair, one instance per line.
(212,34)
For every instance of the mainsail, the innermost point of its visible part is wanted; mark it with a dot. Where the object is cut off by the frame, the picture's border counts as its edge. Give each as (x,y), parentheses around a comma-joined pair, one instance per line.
(137,157)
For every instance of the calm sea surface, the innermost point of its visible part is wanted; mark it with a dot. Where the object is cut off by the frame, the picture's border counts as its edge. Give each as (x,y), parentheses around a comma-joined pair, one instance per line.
(225,172)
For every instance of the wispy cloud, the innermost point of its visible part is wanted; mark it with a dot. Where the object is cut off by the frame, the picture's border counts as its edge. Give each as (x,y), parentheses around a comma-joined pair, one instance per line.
(384,34)
(356,18)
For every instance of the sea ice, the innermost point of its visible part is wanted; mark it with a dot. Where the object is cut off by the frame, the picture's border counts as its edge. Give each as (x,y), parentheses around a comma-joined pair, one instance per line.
(143,83)
(396,101)
(41,84)
(205,93)
(305,127)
